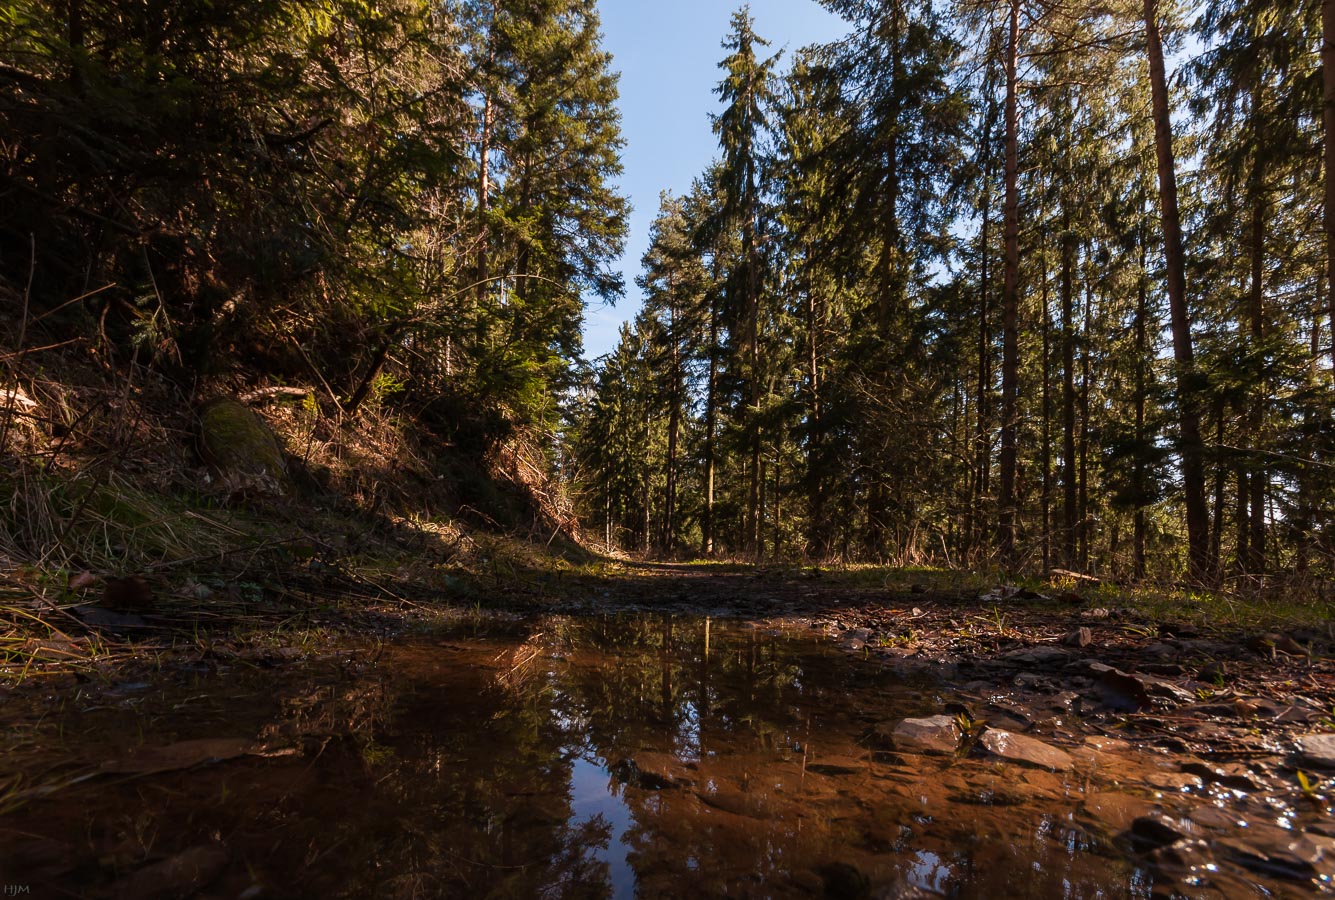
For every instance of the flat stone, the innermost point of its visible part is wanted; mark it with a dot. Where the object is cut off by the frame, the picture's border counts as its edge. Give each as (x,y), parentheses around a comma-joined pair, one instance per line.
(1318,750)
(1300,857)
(1116,811)
(1176,782)
(1216,818)
(1037,656)
(1026,750)
(935,734)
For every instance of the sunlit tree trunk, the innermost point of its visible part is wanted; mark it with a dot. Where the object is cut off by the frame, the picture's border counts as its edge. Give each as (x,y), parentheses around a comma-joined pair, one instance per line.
(1068,392)
(1328,121)
(1190,447)
(1010,353)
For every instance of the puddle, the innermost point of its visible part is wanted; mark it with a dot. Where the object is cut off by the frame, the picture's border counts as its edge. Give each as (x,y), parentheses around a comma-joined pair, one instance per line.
(614,757)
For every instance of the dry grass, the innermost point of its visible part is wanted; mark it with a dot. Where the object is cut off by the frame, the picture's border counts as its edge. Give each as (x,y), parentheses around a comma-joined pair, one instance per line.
(99,479)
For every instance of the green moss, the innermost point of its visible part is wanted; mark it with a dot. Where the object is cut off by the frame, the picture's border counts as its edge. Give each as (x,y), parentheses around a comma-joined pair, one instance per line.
(235,440)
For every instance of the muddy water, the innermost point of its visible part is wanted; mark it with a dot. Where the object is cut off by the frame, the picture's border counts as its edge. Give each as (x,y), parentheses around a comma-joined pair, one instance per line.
(613,757)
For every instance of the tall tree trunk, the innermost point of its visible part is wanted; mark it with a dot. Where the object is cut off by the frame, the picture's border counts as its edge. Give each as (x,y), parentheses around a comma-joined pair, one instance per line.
(483,205)
(976,528)
(674,427)
(1217,540)
(982,438)
(1328,122)
(755,514)
(1068,392)
(711,428)
(817,531)
(1256,416)
(74,35)
(1047,412)
(1142,448)
(1240,525)
(1083,529)
(1010,353)
(1190,446)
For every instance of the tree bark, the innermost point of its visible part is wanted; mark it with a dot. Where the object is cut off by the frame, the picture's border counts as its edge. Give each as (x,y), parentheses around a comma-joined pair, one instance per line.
(982,440)
(1328,122)
(1068,393)
(1010,297)
(1047,412)
(1255,471)
(1086,377)
(1190,447)
(711,426)
(483,203)
(669,539)
(1142,449)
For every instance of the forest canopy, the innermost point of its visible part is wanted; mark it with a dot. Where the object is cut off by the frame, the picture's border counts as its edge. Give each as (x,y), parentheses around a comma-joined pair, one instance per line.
(1009,283)
(405,196)
(1019,283)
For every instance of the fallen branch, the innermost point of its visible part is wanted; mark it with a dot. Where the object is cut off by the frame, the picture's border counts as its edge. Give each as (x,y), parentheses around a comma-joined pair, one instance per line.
(275,393)
(1075,576)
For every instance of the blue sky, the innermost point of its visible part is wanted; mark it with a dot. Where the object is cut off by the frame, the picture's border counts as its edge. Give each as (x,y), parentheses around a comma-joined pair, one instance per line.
(668,55)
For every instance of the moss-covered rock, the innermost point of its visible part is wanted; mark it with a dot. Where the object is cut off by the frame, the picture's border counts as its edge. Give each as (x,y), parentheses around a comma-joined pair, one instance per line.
(237,442)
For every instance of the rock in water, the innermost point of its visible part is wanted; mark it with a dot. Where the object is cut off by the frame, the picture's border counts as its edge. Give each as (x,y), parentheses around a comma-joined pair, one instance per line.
(936,734)
(1026,750)
(237,442)
(1156,830)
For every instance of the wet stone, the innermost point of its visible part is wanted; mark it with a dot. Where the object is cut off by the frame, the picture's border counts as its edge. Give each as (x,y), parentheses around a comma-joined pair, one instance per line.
(1120,690)
(1214,817)
(1155,830)
(1025,750)
(1298,857)
(1175,781)
(1317,750)
(1183,859)
(1030,680)
(936,734)
(1133,692)
(1115,812)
